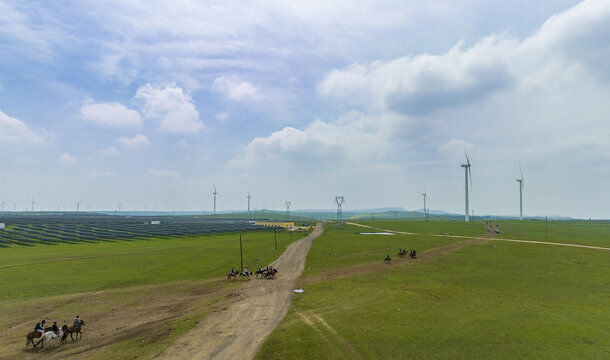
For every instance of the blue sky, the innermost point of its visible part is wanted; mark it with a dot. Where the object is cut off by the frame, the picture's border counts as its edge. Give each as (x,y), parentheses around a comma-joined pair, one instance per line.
(150,103)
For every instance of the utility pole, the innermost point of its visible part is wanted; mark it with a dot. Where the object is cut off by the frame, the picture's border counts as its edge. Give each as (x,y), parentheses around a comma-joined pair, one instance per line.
(546,228)
(241,254)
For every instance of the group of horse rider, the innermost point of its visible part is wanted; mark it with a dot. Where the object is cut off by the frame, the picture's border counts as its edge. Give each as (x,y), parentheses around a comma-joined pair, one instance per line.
(246,273)
(40,326)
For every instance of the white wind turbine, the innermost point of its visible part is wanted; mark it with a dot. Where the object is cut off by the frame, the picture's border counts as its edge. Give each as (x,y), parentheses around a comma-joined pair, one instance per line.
(521,185)
(215,193)
(467,174)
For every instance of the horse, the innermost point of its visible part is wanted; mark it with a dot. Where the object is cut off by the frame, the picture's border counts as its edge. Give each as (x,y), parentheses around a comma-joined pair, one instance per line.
(413,254)
(271,274)
(48,336)
(72,330)
(245,274)
(232,276)
(387,260)
(402,252)
(30,338)
(260,272)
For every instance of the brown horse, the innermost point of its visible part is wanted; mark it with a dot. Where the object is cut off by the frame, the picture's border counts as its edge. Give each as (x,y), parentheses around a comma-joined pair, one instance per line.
(402,253)
(30,338)
(270,274)
(232,276)
(72,330)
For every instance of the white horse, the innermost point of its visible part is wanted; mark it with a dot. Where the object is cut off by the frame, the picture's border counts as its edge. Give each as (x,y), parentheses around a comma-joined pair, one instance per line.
(48,336)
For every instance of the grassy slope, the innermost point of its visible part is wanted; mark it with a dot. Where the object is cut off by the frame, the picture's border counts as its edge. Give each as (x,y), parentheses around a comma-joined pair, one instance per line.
(575,232)
(486,300)
(39,271)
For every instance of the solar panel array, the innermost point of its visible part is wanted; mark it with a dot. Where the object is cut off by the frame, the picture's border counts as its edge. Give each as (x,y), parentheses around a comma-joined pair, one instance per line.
(76,228)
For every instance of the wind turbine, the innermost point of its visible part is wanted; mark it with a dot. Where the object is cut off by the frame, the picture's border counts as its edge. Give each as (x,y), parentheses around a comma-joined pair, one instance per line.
(249,196)
(288,204)
(77,206)
(215,193)
(424,195)
(467,174)
(521,184)
(339,200)
(3,205)
(33,203)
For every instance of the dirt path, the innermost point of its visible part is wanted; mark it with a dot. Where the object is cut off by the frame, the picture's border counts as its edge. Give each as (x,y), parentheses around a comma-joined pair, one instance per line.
(487,238)
(238,327)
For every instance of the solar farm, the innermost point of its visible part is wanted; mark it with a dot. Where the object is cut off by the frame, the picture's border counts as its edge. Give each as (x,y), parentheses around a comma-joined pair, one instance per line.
(51,229)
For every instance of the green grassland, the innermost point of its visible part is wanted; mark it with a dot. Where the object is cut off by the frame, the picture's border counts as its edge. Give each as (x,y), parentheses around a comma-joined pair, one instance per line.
(45,270)
(485,300)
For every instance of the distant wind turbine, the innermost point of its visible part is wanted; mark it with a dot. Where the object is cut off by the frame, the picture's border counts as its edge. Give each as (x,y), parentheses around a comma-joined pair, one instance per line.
(424,195)
(3,205)
(77,206)
(521,185)
(249,196)
(215,193)
(468,175)
(33,203)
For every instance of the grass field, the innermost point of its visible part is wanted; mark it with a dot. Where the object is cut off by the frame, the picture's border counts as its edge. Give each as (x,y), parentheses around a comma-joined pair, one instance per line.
(461,299)
(167,284)
(33,272)
(484,300)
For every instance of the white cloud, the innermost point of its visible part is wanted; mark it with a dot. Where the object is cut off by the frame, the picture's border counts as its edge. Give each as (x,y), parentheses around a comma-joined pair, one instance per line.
(175,108)
(111,114)
(455,145)
(162,173)
(109,151)
(134,142)
(235,89)
(101,174)
(13,130)
(67,159)
(568,46)
(353,138)
(422,84)
(223,116)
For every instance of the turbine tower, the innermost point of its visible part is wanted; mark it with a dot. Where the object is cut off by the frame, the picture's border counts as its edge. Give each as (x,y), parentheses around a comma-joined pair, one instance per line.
(521,184)
(77,206)
(33,203)
(249,196)
(339,200)
(288,204)
(468,175)
(215,193)
(424,195)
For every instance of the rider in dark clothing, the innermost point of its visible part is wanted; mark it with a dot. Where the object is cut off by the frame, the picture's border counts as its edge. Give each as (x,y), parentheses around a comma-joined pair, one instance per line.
(40,327)
(54,328)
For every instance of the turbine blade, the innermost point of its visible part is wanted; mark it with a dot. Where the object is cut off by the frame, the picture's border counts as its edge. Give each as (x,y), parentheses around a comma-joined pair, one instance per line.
(467,159)
(521,171)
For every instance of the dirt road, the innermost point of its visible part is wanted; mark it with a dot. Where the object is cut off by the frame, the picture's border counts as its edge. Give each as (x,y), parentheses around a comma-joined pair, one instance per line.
(237,328)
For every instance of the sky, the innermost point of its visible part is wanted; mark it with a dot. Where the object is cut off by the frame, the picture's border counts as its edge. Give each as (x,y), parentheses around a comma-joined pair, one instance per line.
(152,103)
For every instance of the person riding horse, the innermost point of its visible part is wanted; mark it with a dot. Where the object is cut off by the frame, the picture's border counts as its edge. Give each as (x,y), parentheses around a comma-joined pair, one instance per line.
(76,323)
(40,328)
(54,328)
